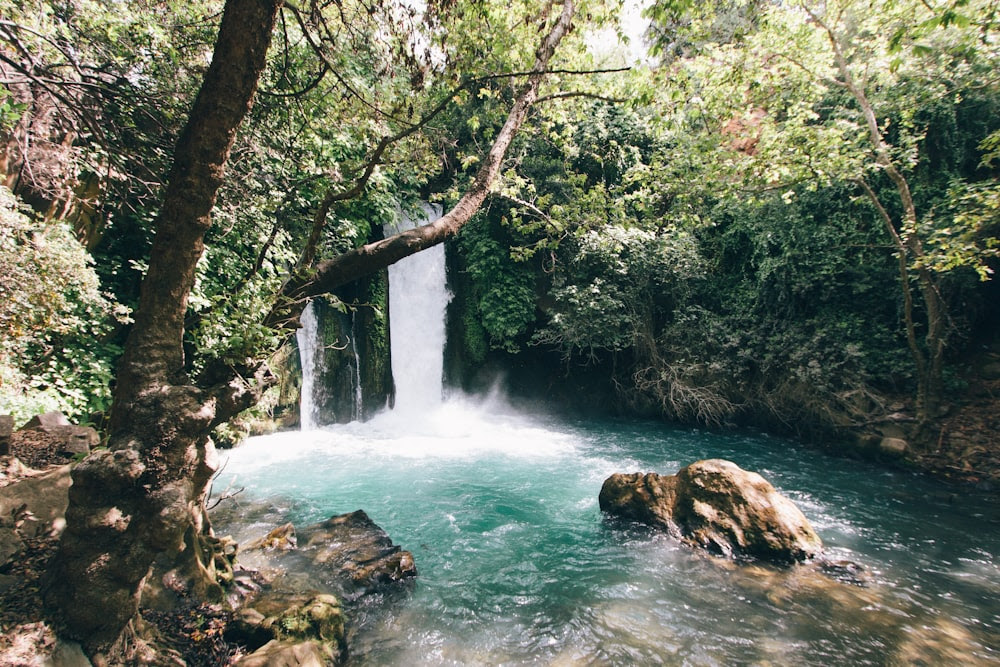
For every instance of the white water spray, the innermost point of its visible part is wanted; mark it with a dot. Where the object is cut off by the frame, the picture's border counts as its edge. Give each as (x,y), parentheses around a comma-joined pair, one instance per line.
(418,297)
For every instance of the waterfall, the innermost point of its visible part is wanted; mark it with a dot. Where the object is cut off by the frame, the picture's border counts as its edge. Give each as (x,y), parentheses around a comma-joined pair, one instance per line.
(358,394)
(418,297)
(310,356)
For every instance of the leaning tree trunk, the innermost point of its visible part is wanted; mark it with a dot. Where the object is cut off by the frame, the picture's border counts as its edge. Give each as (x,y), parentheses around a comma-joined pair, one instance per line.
(143,496)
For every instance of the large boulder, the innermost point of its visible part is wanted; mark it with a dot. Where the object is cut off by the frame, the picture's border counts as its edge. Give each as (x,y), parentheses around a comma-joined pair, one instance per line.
(716,505)
(356,553)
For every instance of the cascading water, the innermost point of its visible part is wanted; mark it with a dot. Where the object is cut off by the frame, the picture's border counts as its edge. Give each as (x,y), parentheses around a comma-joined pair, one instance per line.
(517,566)
(307,337)
(359,407)
(418,297)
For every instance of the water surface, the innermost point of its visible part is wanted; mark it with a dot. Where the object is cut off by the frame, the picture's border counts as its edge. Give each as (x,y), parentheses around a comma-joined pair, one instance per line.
(518,567)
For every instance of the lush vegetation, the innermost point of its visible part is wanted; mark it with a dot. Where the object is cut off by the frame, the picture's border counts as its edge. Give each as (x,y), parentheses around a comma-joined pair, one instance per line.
(791,218)
(783,213)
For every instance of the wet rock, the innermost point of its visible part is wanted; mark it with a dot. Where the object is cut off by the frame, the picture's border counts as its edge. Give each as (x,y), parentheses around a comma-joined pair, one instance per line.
(716,505)
(281,538)
(845,571)
(941,641)
(895,447)
(357,552)
(285,654)
(291,619)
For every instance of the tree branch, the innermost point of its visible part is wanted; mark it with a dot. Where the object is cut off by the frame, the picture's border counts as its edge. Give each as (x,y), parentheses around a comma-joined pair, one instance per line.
(349,266)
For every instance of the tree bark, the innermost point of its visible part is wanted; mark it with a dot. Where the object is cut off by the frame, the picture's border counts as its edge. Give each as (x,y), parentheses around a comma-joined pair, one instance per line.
(143,496)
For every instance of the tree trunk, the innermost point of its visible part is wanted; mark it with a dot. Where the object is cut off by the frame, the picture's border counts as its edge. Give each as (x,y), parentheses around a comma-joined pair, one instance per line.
(929,360)
(143,496)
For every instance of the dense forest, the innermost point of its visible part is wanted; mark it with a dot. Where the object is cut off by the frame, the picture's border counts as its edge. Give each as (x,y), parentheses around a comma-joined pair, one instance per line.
(781,215)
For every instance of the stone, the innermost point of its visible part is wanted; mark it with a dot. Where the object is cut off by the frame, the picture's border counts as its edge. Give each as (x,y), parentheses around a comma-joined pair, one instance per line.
(293,618)
(281,538)
(285,654)
(47,420)
(896,447)
(37,503)
(62,436)
(74,440)
(356,553)
(716,505)
(6,429)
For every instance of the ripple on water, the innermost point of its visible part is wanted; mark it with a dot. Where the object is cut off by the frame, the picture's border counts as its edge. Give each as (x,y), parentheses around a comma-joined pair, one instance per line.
(518,567)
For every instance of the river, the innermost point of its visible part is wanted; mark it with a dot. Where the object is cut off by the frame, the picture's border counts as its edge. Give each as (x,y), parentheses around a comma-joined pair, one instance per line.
(517,565)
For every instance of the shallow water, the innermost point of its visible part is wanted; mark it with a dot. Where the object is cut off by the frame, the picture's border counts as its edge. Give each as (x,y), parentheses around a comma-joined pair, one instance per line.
(517,566)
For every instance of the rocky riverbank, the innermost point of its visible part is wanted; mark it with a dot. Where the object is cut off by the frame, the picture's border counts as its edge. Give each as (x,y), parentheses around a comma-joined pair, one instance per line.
(271,616)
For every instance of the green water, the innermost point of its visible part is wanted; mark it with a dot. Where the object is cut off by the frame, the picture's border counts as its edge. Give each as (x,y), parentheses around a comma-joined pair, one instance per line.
(517,565)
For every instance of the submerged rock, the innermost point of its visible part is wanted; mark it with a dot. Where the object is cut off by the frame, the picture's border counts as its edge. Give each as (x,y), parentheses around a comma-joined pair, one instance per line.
(896,447)
(285,626)
(716,505)
(281,538)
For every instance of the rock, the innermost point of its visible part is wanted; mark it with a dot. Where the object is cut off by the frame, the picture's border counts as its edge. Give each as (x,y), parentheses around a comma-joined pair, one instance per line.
(293,619)
(6,428)
(61,436)
(896,447)
(37,504)
(46,421)
(281,538)
(74,440)
(716,505)
(358,554)
(938,641)
(285,654)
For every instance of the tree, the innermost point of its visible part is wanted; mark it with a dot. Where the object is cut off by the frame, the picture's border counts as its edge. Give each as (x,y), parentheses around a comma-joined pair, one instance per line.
(143,496)
(818,94)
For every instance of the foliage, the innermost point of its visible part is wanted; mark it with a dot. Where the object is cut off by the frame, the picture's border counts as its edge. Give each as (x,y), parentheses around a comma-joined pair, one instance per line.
(617,284)
(503,290)
(54,320)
